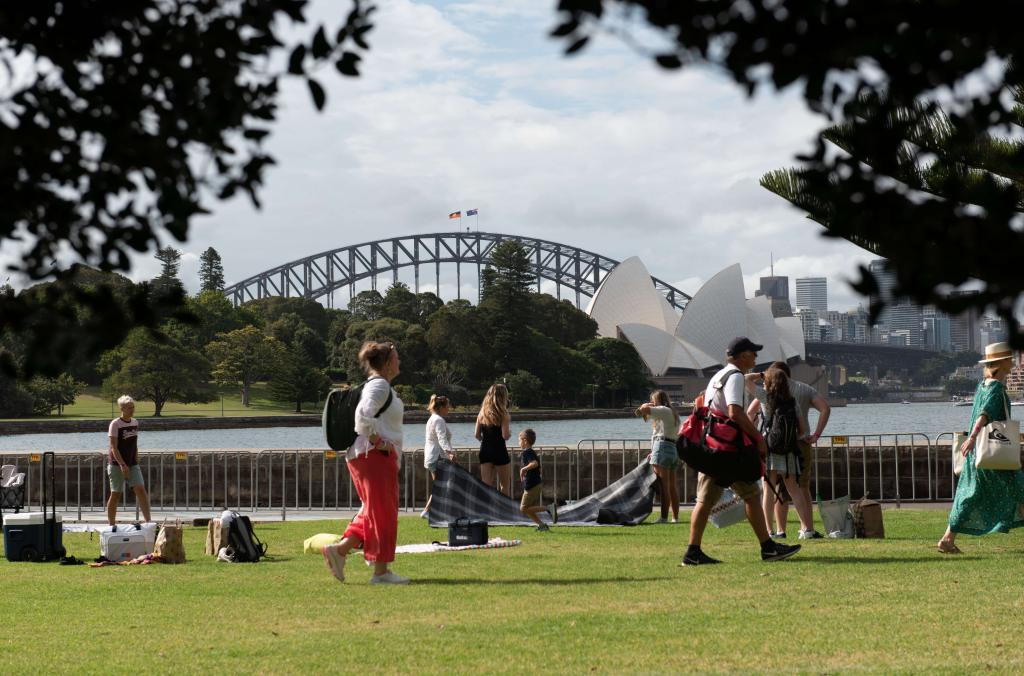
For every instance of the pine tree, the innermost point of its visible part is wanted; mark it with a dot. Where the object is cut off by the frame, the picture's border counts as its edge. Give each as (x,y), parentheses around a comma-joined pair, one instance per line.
(211,271)
(940,162)
(170,259)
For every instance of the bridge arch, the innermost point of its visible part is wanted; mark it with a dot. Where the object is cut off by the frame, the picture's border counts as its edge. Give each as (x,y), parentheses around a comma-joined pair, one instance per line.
(577,270)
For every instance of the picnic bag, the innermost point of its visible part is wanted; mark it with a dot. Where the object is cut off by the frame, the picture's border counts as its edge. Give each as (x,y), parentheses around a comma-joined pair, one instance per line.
(245,547)
(339,417)
(998,445)
(464,531)
(958,458)
(729,510)
(170,546)
(710,443)
(216,537)
(836,517)
(867,519)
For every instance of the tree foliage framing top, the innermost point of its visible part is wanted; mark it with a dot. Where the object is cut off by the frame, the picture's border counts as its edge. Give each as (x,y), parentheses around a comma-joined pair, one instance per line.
(913,60)
(120,122)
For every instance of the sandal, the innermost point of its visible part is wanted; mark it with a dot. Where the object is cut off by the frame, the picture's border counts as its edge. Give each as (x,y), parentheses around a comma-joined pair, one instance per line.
(948,548)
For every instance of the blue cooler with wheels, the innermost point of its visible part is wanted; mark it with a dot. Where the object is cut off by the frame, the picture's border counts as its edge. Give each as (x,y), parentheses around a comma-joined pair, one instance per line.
(36,536)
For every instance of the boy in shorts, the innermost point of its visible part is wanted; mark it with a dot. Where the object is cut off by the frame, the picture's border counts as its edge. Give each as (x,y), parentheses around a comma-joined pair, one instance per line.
(533,484)
(123,460)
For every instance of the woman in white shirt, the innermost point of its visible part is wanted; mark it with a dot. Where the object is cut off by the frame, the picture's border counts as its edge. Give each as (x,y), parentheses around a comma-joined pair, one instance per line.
(373,461)
(439,439)
(664,457)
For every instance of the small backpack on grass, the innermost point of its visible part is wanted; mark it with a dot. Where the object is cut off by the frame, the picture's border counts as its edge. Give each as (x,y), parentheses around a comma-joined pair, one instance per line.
(339,418)
(242,541)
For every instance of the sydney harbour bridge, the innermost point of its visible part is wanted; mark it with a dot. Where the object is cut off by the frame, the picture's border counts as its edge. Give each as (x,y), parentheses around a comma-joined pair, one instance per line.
(573,270)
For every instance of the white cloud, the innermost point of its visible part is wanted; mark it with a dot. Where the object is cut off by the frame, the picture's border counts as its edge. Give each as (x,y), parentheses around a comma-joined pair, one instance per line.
(470,105)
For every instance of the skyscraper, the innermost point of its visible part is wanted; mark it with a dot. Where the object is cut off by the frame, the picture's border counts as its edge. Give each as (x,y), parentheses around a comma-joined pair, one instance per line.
(777,291)
(812,292)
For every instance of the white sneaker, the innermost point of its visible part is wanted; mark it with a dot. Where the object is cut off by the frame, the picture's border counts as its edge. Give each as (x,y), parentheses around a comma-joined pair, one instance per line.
(424,514)
(335,562)
(389,578)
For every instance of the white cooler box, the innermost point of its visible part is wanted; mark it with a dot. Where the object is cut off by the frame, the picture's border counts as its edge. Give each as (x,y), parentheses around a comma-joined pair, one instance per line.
(127,542)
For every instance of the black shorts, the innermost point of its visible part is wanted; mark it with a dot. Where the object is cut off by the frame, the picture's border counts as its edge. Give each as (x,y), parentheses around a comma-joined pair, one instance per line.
(495,456)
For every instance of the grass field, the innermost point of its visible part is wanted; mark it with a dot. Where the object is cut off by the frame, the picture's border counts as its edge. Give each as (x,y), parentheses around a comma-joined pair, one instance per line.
(570,601)
(93,404)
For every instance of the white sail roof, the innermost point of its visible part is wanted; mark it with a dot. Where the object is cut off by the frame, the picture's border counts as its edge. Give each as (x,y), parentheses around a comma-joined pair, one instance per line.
(716,314)
(627,296)
(628,305)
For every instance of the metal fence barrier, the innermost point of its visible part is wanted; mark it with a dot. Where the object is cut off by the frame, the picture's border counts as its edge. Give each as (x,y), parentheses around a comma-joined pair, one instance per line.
(898,467)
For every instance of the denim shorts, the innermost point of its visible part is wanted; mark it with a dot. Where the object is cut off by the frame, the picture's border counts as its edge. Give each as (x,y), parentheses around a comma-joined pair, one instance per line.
(664,454)
(117,479)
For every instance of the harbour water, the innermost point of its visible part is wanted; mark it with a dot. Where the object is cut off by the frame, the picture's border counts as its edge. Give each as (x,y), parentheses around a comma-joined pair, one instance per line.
(930,419)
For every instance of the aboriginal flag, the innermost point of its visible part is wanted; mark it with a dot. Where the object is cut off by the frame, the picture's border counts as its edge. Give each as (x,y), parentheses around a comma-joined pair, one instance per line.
(455,214)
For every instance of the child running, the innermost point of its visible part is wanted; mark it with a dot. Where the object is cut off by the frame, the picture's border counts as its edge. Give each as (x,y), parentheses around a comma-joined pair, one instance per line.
(533,484)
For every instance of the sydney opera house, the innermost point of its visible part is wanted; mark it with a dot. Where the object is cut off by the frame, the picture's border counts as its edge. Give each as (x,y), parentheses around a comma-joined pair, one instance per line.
(683,349)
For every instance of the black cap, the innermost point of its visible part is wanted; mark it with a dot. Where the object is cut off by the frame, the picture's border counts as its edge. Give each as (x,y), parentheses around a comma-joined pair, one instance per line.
(742,344)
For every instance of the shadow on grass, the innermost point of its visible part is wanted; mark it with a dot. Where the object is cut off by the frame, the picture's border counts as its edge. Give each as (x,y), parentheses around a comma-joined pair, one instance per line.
(936,558)
(540,581)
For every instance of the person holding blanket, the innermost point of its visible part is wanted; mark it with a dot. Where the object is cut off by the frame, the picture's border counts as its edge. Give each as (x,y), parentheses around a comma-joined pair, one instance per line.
(724,396)
(987,500)
(373,462)
(438,441)
(664,458)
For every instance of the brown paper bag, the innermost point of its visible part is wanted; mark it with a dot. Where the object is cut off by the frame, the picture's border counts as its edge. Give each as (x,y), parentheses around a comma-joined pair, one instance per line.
(170,545)
(867,519)
(216,537)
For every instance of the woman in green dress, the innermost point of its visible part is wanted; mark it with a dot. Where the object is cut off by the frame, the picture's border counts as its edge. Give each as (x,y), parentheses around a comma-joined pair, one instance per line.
(987,500)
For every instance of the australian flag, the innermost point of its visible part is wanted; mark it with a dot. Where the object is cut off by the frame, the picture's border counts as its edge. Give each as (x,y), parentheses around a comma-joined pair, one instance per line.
(471,212)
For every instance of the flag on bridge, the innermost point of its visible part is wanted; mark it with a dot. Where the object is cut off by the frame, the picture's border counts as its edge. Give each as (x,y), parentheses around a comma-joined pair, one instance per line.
(455,214)
(471,212)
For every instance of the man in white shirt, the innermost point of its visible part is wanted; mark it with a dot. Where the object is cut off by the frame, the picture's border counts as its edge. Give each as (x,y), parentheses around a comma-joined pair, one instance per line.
(725,395)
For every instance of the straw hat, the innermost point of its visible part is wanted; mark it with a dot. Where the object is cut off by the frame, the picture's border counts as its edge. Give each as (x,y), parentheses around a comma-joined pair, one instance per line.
(997,352)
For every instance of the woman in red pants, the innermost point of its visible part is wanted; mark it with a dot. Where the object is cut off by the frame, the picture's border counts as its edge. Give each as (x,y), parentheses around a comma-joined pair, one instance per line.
(373,462)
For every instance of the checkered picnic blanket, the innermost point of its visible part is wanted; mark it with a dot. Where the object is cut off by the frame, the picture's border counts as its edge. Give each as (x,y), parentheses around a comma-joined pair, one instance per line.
(457,493)
(494,543)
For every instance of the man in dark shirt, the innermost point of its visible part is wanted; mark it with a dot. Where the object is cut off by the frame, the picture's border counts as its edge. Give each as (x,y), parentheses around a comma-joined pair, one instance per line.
(533,484)
(123,460)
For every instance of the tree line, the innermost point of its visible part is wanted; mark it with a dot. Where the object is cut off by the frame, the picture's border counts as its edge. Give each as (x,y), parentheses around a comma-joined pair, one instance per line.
(545,350)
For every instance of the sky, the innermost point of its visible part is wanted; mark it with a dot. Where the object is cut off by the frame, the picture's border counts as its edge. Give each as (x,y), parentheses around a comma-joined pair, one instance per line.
(469,104)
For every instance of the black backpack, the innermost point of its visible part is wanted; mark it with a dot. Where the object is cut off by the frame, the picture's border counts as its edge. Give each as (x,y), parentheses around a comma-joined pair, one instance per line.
(339,419)
(242,538)
(781,429)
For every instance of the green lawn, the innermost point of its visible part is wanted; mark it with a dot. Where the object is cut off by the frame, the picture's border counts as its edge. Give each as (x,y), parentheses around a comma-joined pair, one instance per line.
(92,404)
(574,600)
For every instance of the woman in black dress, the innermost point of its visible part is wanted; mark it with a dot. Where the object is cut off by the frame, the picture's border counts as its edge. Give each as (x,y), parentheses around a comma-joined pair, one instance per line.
(492,430)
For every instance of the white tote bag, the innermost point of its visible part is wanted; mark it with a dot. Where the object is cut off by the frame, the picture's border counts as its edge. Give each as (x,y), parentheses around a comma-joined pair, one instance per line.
(998,445)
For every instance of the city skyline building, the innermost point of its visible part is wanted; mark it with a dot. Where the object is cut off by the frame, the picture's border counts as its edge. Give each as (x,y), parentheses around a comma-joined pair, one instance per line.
(812,292)
(776,290)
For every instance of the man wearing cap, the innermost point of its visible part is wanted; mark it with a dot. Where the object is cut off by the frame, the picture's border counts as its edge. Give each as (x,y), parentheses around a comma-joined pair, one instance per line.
(725,395)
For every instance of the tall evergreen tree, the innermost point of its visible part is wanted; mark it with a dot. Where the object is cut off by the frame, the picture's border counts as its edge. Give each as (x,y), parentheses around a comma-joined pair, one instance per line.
(170,260)
(505,302)
(211,271)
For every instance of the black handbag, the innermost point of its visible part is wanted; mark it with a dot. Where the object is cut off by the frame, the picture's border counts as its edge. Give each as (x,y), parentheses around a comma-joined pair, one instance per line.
(464,531)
